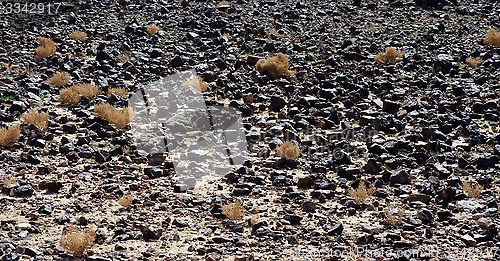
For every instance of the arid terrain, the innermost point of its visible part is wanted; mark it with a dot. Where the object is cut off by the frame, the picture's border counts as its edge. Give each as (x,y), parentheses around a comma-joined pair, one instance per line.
(371,130)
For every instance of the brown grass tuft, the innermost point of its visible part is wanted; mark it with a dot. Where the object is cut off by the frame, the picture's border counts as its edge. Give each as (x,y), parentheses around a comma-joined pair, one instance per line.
(76,241)
(88,90)
(362,193)
(78,35)
(288,150)
(39,119)
(394,216)
(122,92)
(69,96)
(492,37)
(9,135)
(233,210)
(275,66)
(59,79)
(391,55)
(197,82)
(152,29)
(472,191)
(9,180)
(474,62)
(119,117)
(47,48)
(126,200)
(223,3)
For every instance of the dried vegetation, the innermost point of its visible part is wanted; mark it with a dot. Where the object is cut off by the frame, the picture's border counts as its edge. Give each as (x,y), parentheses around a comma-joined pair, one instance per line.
(39,119)
(288,150)
(492,37)
(77,241)
(233,210)
(275,66)
(60,79)
(119,117)
(362,193)
(47,48)
(391,55)
(9,135)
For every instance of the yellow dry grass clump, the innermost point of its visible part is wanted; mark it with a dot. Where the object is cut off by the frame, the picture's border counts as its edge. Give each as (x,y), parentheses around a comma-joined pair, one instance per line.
(59,79)
(275,66)
(474,62)
(77,241)
(152,29)
(233,210)
(394,216)
(362,193)
(223,3)
(39,119)
(78,35)
(119,117)
(126,200)
(9,180)
(391,55)
(69,96)
(197,82)
(122,92)
(492,37)
(47,48)
(88,90)
(9,135)
(288,150)
(472,191)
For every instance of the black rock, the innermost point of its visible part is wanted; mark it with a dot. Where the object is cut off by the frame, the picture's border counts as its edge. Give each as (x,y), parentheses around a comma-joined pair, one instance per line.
(53,186)
(102,56)
(151,234)
(425,215)
(336,230)
(18,106)
(487,161)
(277,103)
(24,190)
(400,176)
(293,219)
(177,61)
(372,167)
(179,188)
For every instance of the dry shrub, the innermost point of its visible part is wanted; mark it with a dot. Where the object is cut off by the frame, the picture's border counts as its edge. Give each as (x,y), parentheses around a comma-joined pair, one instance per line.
(76,241)
(492,37)
(288,150)
(275,66)
(394,216)
(474,62)
(472,191)
(39,119)
(223,3)
(78,35)
(88,90)
(197,82)
(69,96)
(119,117)
(391,55)
(122,92)
(9,135)
(361,193)
(233,210)
(59,79)
(126,200)
(9,180)
(47,48)
(152,29)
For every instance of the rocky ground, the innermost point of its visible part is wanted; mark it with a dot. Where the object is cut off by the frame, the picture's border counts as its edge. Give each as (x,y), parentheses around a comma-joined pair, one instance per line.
(417,131)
